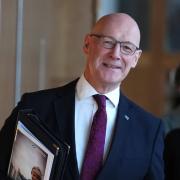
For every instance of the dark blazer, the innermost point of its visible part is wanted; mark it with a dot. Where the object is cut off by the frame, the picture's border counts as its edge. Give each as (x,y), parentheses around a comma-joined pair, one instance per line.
(172,155)
(137,145)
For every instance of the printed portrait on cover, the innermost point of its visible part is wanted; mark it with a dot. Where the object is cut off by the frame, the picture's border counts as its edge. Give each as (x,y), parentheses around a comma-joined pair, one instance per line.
(28,161)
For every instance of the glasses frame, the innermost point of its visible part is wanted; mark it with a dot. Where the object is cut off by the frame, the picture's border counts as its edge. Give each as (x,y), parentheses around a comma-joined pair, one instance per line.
(116,42)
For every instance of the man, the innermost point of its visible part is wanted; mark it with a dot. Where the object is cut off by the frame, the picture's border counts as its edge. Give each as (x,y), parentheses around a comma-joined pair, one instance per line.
(133,143)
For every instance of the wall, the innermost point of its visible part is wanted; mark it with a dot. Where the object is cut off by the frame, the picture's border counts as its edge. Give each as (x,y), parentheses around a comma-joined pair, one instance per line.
(53,33)
(7,56)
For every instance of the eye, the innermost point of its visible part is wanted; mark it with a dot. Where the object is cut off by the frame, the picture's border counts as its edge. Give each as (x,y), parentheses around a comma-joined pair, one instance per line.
(127,48)
(108,43)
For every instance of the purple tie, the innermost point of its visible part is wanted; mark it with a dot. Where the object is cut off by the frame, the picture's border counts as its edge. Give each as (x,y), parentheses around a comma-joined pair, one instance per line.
(93,159)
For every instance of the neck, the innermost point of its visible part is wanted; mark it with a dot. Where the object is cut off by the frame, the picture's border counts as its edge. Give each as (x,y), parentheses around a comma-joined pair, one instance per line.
(101,88)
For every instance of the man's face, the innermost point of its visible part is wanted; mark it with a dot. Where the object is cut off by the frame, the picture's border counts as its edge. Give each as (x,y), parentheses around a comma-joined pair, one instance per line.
(109,67)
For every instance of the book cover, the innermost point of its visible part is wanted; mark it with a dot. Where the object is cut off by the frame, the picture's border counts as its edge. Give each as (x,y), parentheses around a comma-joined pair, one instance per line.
(36,154)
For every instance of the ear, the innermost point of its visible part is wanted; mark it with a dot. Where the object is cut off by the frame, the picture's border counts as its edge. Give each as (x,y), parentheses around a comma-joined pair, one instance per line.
(86,44)
(136,58)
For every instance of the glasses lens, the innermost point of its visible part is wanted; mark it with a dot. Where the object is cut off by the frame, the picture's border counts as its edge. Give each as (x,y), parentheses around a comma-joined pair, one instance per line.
(108,42)
(128,48)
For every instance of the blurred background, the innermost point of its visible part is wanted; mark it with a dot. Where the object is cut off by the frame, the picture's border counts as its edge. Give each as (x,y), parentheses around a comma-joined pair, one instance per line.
(41,47)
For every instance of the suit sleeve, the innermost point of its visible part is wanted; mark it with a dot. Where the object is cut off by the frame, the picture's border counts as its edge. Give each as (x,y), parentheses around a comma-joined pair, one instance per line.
(6,141)
(156,169)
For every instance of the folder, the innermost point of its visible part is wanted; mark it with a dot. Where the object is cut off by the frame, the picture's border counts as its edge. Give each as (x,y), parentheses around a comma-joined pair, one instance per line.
(36,152)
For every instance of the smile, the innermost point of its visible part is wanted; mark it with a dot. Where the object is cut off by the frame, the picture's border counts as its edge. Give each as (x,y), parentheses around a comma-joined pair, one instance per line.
(111,66)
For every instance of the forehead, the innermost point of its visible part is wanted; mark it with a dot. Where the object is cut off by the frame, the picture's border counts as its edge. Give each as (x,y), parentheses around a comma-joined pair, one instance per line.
(121,28)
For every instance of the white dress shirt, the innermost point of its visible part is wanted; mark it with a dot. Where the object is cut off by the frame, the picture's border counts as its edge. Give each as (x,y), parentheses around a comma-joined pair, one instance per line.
(85,108)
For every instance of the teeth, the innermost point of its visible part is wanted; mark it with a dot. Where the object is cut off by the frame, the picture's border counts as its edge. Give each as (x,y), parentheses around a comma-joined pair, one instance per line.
(112,66)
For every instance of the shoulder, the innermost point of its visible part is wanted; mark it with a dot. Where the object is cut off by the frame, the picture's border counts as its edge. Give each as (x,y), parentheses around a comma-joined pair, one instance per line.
(140,116)
(43,100)
(142,125)
(137,110)
(51,93)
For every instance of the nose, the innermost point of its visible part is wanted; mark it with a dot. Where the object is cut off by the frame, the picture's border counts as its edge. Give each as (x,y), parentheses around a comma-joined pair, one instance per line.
(115,52)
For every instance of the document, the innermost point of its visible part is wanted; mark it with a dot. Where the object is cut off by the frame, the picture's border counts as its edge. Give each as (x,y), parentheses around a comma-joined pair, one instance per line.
(36,152)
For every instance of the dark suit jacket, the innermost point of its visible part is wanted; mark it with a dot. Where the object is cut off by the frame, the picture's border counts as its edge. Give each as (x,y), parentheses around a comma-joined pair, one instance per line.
(172,155)
(137,145)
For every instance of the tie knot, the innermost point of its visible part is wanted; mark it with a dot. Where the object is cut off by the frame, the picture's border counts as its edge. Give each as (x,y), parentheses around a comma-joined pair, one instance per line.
(101,100)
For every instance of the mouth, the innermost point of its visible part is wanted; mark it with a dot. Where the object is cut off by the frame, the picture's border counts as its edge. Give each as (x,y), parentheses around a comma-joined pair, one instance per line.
(112,66)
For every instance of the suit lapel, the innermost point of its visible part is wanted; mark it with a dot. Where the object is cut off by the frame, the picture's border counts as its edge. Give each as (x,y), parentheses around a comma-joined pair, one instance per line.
(65,113)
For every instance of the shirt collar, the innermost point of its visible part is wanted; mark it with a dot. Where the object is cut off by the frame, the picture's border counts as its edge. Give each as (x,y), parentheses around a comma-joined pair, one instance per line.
(85,90)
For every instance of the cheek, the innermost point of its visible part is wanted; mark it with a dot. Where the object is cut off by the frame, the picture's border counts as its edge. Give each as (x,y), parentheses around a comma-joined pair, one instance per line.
(96,60)
(129,62)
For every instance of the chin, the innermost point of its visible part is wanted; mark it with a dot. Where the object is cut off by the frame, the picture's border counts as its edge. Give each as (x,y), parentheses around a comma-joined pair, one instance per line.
(113,80)
(110,82)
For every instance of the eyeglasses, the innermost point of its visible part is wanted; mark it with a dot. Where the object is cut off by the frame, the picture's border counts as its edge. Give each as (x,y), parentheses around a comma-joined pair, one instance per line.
(126,48)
